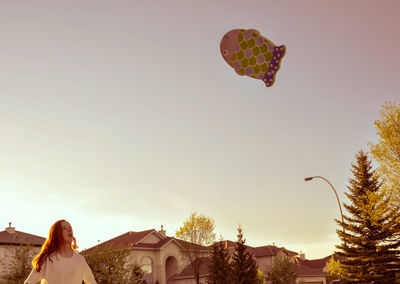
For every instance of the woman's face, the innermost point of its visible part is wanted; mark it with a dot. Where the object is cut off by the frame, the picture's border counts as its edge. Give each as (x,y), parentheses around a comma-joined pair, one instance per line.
(67,232)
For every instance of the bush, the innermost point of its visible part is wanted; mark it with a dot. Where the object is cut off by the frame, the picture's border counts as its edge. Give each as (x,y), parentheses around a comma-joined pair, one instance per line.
(111,265)
(20,265)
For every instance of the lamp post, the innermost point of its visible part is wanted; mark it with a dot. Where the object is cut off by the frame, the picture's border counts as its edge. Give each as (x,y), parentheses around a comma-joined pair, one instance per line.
(337,197)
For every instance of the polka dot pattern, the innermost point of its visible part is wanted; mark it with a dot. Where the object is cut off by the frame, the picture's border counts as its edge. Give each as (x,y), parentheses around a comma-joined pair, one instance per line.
(269,77)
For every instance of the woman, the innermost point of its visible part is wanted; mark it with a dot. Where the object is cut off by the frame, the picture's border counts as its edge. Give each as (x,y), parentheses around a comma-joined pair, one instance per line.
(57,262)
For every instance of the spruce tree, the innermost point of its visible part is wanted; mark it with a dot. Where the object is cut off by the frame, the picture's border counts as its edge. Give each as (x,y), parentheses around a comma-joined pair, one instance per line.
(370,240)
(219,268)
(244,267)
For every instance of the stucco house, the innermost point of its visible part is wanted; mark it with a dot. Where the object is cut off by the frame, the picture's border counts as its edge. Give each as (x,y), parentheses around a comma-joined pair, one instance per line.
(159,255)
(10,239)
(308,271)
(312,270)
(162,260)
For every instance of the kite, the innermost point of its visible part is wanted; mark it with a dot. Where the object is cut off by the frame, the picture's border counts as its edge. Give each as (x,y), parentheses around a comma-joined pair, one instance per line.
(251,54)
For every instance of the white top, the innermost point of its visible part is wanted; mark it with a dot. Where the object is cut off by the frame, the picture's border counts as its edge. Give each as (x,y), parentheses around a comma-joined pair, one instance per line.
(63,270)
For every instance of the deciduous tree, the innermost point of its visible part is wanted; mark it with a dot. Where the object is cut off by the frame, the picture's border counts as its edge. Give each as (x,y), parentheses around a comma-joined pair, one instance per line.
(196,233)
(282,270)
(386,152)
(111,265)
(334,268)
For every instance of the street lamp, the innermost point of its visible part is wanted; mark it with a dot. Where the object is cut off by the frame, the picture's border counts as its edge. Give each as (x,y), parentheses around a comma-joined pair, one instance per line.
(337,197)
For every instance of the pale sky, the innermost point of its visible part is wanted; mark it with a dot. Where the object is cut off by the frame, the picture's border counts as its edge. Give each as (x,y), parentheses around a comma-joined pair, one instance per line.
(122,115)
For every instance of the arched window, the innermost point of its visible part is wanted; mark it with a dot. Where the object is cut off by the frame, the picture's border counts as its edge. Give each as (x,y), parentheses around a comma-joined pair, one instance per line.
(147,267)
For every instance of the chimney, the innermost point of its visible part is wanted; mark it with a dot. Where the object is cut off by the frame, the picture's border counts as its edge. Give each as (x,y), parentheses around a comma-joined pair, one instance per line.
(302,255)
(162,231)
(10,230)
(226,244)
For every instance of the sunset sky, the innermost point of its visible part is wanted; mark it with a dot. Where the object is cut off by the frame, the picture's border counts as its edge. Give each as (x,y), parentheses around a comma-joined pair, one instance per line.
(123,116)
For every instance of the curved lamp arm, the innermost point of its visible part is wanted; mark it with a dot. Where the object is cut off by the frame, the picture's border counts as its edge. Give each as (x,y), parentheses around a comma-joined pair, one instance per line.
(337,197)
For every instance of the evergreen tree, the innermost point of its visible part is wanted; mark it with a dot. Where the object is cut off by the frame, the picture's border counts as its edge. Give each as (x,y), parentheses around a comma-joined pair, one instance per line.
(244,267)
(370,240)
(219,268)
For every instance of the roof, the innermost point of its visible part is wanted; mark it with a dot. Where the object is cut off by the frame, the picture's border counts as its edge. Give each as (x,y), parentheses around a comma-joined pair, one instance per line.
(271,251)
(230,243)
(317,263)
(303,270)
(132,240)
(18,238)
(312,267)
(261,251)
(188,245)
(188,273)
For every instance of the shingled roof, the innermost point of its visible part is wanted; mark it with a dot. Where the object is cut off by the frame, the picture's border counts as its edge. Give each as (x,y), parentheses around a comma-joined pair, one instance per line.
(192,246)
(313,267)
(303,270)
(270,250)
(132,240)
(12,237)
(187,272)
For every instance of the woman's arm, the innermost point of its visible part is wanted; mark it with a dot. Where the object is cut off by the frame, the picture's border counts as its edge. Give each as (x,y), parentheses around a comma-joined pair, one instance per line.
(87,272)
(35,276)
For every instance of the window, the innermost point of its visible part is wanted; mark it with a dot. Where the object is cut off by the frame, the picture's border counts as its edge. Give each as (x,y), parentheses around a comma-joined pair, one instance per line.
(147,267)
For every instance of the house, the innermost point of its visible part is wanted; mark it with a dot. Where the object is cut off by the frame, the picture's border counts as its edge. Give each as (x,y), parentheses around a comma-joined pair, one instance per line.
(186,276)
(10,239)
(312,271)
(264,255)
(159,255)
(162,261)
(308,271)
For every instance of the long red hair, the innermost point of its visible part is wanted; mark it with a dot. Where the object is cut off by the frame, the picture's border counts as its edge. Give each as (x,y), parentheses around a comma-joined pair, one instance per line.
(51,245)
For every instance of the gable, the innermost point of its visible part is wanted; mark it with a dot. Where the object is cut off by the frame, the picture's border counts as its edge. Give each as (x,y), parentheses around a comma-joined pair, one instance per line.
(152,238)
(172,244)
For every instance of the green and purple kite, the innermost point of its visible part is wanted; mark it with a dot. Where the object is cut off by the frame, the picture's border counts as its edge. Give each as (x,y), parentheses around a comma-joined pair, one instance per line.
(251,54)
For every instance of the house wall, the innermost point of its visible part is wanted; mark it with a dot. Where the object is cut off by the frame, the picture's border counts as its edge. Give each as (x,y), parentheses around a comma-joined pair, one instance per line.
(263,262)
(3,259)
(159,259)
(6,256)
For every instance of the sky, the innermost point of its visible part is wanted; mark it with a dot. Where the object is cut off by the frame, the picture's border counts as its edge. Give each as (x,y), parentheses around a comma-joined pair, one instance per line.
(123,116)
